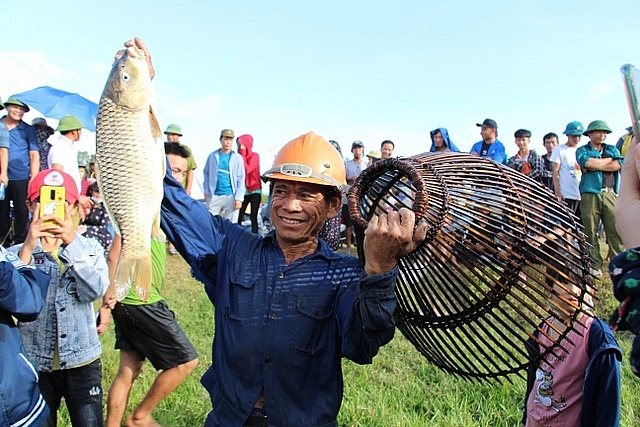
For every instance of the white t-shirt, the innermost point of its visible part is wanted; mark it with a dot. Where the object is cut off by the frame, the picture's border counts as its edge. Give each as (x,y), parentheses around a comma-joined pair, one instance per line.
(569,173)
(64,153)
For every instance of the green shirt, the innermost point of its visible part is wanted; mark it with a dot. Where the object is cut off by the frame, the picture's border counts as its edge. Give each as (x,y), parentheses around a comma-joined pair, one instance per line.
(191,165)
(158,263)
(191,162)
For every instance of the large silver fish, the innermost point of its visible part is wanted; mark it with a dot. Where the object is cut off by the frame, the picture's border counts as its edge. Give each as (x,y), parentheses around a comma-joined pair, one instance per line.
(131,164)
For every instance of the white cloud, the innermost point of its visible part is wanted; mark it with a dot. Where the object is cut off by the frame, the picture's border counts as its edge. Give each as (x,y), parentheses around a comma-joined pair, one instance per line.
(24,70)
(601,89)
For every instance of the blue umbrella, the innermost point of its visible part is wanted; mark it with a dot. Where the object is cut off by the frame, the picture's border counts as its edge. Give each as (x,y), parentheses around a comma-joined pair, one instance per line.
(55,103)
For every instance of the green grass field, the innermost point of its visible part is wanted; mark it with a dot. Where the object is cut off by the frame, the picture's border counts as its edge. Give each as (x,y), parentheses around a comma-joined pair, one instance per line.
(399,389)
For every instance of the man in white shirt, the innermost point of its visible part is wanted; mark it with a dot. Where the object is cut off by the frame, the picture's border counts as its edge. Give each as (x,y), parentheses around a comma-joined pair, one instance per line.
(63,154)
(566,171)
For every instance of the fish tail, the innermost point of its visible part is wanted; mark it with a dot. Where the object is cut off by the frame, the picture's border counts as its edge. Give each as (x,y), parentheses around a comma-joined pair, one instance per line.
(142,276)
(123,277)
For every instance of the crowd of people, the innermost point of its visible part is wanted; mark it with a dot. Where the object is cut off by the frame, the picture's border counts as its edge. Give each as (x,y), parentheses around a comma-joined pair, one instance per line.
(289,305)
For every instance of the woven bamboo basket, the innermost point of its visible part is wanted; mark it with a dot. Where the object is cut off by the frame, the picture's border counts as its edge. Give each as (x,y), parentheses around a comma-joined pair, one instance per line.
(499,245)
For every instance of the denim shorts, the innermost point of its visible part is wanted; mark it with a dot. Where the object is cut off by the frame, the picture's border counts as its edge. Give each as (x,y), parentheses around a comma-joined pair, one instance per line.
(151,330)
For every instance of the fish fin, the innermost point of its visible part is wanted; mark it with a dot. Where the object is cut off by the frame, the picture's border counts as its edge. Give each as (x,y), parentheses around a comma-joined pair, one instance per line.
(123,277)
(156,132)
(155,226)
(143,275)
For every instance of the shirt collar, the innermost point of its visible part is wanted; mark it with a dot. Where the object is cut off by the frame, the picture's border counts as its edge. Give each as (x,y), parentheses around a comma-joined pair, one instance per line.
(322,250)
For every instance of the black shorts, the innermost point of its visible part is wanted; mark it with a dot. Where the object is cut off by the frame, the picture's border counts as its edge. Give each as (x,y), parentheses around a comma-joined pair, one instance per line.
(152,331)
(346,219)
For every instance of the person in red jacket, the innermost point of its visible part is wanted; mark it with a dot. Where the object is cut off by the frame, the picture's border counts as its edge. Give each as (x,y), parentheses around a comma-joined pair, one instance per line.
(253,195)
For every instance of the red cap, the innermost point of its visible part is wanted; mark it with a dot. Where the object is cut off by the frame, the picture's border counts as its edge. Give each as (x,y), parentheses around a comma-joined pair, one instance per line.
(54,178)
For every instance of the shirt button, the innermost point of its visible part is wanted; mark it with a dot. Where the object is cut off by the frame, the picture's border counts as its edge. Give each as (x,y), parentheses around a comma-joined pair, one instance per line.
(273,316)
(267,360)
(281,276)
(63,336)
(62,309)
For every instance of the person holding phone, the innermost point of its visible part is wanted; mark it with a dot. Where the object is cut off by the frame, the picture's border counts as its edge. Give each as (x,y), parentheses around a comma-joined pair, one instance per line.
(63,341)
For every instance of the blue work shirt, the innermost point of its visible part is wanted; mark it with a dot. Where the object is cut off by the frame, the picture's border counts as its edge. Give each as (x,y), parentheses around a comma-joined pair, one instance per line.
(22,139)
(279,328)
(591,181)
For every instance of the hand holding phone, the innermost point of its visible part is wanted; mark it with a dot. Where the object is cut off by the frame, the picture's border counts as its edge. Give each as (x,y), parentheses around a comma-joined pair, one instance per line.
(52,202)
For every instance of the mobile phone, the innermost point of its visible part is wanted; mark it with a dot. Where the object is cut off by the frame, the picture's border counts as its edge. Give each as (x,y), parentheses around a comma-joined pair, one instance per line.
(631,78)
(52,202)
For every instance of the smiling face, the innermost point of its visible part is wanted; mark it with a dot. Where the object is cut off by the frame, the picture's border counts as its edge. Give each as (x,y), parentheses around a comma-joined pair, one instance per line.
(597,137)
(386,150)
(178,166)
(523,144)
(15,112)
(298,210)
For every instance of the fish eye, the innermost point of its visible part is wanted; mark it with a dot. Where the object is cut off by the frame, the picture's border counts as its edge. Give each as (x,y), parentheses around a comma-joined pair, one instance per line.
(125,76)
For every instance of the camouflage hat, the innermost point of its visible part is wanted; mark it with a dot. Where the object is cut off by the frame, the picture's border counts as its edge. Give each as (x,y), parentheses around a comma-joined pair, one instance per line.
(14,101)
(227,133)
(174,129)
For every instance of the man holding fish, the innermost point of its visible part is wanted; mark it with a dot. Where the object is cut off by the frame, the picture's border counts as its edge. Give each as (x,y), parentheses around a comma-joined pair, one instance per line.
(288,309)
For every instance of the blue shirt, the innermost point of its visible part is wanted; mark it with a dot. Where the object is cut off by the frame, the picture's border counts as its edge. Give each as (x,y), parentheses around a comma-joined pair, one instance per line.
(4,135)
(22,139)
(495,152)
(223,186)
(279,328)
(591,181)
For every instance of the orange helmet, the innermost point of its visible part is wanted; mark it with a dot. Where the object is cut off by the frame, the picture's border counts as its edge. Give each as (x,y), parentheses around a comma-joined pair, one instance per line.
(309,158)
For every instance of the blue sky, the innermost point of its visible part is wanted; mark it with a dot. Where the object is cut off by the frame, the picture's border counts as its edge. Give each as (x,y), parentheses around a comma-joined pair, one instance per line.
(348,70)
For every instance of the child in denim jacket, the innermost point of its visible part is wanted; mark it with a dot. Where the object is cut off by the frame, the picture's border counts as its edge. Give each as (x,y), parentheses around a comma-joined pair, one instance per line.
(63,341)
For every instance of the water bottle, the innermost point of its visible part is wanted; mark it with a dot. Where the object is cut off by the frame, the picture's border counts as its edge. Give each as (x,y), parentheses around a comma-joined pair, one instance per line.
(3,190)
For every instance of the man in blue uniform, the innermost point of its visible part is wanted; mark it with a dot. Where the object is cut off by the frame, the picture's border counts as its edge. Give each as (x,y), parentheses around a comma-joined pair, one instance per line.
(288,309)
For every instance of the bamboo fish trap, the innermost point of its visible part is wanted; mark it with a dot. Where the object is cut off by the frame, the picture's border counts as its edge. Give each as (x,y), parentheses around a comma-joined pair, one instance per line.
(479,285)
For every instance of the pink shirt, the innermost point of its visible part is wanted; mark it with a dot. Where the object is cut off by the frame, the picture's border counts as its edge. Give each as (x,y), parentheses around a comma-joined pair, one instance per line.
(556,397)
